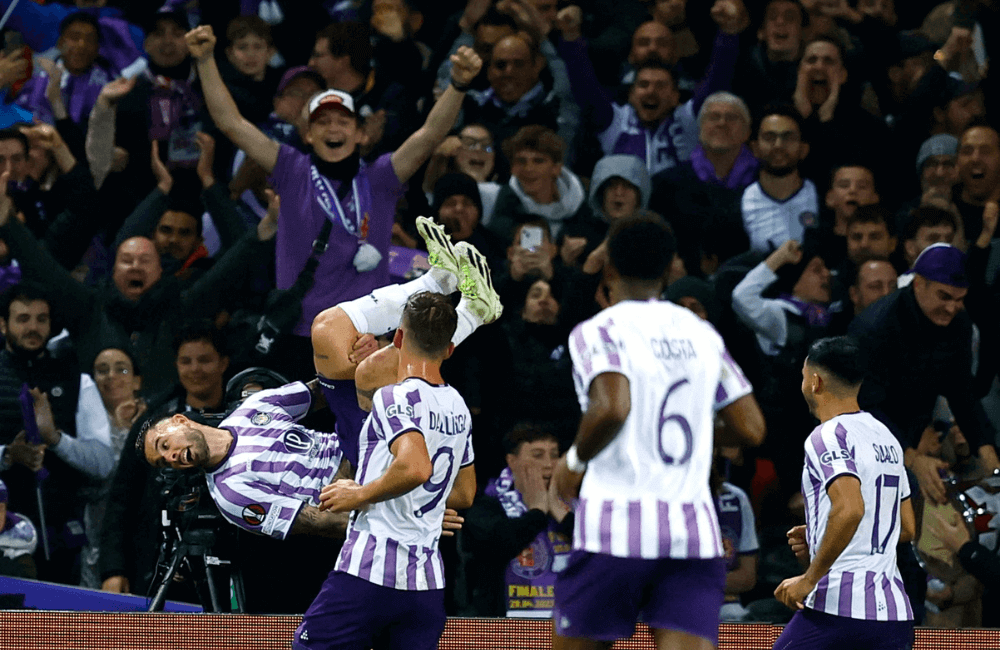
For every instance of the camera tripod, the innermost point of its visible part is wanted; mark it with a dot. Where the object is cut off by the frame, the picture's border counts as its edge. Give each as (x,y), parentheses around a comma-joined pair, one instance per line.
(198,543)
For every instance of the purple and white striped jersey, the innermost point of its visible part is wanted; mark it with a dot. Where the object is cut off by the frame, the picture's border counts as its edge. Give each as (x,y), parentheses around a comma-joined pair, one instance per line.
(646,494)
(863,582)
(395,543)
(274,466)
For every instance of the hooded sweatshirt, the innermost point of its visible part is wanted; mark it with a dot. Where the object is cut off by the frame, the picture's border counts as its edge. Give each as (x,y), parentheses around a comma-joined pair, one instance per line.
(624,166)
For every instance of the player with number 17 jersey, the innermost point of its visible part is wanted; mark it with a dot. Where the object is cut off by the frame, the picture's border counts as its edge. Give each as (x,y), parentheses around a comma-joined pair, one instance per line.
(646,494)
(863,582)
(394,543)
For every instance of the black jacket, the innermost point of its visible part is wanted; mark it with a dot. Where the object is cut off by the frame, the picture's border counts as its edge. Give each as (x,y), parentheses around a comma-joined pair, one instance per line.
(910,362)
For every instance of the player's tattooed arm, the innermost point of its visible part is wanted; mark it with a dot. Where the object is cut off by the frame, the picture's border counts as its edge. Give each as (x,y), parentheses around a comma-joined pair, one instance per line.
(313,521)
(318,399)
(365,397)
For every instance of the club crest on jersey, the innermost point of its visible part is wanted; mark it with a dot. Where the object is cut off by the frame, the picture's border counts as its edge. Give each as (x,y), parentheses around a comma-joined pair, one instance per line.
(830,457)
(254,514)
(297,441)
(397,410)
(260,419)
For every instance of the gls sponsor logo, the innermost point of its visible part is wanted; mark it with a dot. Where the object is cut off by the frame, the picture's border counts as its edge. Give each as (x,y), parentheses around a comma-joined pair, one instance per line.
(397,410)
(834,455)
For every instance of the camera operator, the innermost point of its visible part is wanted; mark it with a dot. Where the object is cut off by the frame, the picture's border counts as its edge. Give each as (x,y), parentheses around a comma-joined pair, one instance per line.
(130,536)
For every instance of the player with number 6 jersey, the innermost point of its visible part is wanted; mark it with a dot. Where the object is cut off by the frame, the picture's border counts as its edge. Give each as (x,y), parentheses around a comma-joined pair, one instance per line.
(651,377)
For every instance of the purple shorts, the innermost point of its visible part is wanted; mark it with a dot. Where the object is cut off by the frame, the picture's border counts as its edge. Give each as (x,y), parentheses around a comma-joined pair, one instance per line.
(812,630)
(353,614)
(601,597)
(342,399)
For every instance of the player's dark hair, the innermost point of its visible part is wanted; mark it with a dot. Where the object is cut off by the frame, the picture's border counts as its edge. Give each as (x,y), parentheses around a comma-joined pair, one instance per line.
(140,440)
(200,330)
(429,322)
(14,133)
(525,432)
(841,357)
(80,17)
(641,247)
(354,40)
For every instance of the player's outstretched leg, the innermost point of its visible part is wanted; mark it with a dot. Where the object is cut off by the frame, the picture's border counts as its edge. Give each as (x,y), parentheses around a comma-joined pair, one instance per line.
(335,330)
(480,303)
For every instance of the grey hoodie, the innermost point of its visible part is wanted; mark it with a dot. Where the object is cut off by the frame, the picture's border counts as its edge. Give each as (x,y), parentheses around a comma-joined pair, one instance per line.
(631,168)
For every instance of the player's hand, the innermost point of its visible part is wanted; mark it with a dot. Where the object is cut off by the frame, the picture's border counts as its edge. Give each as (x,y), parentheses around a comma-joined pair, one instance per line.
(343,495)
(953,535)
(928,473)
(465,65)
(116,585)
(201,42)
(797,541)
(792,591)
(364,346)
(452,522)
(567,482)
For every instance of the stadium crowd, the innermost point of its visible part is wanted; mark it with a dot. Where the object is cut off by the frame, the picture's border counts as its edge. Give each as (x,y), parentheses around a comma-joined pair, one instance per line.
(175,211)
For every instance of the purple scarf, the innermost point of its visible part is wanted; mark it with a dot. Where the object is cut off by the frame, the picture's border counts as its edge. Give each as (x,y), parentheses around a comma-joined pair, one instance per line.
(815,315)
(79,93)
(743,173)
(171,101)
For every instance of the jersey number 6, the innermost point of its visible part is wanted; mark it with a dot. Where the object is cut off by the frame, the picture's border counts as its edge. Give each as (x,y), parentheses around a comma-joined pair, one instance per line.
(681,422)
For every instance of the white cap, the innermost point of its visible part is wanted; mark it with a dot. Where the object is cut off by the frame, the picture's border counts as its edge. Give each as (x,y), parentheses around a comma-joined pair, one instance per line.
(331,99)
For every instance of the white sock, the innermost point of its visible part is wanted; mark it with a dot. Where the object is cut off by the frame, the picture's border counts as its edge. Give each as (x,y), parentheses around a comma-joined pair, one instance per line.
(380,311)
(445,281)
(467,322)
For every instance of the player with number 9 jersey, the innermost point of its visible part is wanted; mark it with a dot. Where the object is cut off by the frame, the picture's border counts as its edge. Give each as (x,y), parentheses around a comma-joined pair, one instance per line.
(646,494)
(394,543)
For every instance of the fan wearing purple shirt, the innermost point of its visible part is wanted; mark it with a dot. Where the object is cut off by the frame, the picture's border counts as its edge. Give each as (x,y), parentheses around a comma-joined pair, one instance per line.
(332,183)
